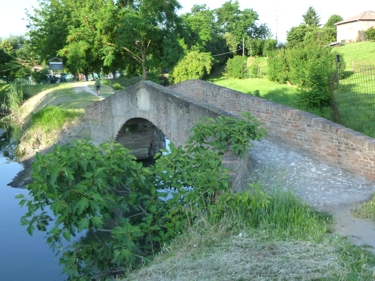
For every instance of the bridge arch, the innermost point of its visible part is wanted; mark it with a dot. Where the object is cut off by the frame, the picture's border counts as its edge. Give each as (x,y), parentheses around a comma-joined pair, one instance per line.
(171,112)
(142,137)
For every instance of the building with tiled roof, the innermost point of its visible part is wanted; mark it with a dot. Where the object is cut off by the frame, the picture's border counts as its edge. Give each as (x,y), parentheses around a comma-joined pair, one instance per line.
(352,29)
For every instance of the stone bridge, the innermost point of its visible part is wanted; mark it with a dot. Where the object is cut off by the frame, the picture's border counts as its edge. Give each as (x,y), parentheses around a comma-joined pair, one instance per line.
(136,115)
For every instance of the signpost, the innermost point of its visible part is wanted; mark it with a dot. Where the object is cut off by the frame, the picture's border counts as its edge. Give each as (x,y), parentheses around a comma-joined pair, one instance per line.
(56,64)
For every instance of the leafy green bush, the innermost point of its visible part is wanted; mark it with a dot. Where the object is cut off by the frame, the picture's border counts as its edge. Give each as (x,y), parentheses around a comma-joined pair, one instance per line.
(120,202)
(370,34)
(278,66)
(14,95)
(237,67)
(255,69)
(117,86)
(195,65)
(310,68)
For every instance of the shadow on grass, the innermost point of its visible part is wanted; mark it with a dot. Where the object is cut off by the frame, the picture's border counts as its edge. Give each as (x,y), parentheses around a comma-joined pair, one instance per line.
(283,96)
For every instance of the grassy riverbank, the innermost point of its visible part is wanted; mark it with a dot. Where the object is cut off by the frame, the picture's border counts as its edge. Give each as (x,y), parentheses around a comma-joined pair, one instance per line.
(50,112)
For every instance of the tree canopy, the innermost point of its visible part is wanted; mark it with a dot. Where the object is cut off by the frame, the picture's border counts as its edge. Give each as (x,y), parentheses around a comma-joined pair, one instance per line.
(137,36)
(311,17)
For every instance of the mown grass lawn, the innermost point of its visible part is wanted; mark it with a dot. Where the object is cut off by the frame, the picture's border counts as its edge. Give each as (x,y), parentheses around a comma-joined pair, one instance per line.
(357,53)
(272,91)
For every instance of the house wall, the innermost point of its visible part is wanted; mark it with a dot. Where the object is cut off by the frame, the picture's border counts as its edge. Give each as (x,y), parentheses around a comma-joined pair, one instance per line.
(348,32)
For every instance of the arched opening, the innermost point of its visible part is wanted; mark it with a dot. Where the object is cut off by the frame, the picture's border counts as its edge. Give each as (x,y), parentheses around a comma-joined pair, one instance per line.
(142,137)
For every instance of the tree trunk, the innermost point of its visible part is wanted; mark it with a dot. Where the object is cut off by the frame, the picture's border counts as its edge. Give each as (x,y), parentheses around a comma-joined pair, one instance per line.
(144,70)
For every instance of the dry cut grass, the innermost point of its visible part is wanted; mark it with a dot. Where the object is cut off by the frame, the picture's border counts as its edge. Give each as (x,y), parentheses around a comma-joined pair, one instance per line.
(251,256)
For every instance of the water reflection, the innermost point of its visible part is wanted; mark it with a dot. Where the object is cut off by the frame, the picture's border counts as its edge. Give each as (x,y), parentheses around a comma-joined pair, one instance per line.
(22,257)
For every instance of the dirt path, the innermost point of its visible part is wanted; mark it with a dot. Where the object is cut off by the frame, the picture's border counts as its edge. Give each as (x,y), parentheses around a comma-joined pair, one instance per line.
(325,187)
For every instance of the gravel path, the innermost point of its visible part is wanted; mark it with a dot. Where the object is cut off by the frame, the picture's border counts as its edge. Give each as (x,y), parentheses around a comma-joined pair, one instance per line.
(324,186)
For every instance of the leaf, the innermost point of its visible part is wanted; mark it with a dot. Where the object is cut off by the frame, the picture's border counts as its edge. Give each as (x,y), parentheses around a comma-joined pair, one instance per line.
(66,235)
(30,229)
(83,224)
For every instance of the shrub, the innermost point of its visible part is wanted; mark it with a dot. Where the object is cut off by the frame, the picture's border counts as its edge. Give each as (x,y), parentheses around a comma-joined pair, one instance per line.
(370,34)
(195,65)
(117,87)
(121,203)
(278,66)
(237,67)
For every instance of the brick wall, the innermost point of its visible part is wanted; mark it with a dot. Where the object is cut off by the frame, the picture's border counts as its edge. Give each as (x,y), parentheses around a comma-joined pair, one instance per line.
(328,141)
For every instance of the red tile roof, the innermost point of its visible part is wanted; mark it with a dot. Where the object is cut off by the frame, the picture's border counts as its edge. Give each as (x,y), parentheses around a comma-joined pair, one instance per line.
(365,16)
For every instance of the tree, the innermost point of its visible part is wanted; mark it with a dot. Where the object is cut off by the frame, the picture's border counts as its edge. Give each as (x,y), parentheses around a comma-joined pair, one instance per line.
(48,27)
(202,32)
(120,202)
(332,20)
(5,59)
(311,17)
(193,66)
(142,29)
(296,35)
(237,67)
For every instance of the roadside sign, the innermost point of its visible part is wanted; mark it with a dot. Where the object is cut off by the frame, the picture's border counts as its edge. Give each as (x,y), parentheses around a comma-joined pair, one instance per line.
(56,64)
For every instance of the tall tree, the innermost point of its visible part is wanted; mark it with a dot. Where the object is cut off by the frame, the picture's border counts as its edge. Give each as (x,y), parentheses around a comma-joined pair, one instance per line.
(332,20)
(48,27)
(141,30)
(311,17)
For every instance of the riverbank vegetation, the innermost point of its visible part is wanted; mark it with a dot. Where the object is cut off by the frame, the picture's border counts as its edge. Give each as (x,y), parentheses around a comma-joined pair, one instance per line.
(120,203)
(48,110)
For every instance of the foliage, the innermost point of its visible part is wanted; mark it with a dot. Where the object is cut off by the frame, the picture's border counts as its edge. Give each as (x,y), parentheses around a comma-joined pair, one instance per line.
(241,24)
(255,69)
(366,210)
(310,68)
(40,76)
(14,95)
(255,46)
(117,86)
(278,66)
(193,66)
(237,67)
(120,202)
(332,20)
(370,34)
(310,33)
(270,45)
(296,35)
(311,17)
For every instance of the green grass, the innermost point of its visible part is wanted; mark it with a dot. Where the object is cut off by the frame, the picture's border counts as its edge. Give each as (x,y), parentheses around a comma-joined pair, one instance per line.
(52,118)
(269,90)
(51,109)
(366,210)
(357,53)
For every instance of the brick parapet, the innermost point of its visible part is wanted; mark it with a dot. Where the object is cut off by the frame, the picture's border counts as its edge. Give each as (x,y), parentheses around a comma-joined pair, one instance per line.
(329,141)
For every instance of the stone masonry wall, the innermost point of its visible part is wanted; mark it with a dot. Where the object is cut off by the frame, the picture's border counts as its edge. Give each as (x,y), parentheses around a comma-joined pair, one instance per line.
(329,141)
(173,113)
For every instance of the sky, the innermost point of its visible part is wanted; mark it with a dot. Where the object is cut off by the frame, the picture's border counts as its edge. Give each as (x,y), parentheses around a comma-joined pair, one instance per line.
(280,16)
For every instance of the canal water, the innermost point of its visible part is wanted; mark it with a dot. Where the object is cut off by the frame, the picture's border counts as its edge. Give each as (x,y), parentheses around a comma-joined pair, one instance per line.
(22,257)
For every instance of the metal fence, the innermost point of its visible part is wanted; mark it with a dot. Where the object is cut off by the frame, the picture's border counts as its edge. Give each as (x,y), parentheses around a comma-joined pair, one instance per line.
(355,99)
